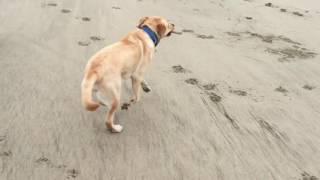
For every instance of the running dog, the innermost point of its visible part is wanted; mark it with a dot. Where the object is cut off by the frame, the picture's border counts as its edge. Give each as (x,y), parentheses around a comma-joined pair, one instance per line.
(128,58)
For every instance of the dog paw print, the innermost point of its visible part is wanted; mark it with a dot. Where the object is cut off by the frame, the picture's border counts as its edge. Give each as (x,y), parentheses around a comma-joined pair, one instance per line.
(187,30)
(125,106)
(49,4)
(297,13)
(283,10)
(2,138)
(209,86)
(179,69)
(308,87)
(6,153)
(85,19)
(96,38)
(83,43)
(72,173)
(203,36)
(282,90)
(65,11)
(214,97)
(116,7)
(43,160)
(52,4)
(239,92)
(192,81)
(307,176)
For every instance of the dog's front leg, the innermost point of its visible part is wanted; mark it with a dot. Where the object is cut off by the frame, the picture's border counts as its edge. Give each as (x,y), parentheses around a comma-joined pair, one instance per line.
(136,86)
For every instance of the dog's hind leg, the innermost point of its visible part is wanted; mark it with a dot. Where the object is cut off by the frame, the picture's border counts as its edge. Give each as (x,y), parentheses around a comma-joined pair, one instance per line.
(114,91)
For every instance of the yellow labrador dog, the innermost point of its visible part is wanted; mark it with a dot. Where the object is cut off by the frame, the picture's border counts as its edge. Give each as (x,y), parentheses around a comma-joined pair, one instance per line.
(129,57)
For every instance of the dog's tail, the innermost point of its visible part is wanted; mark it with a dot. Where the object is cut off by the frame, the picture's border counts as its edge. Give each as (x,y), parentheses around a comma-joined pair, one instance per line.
(86,92)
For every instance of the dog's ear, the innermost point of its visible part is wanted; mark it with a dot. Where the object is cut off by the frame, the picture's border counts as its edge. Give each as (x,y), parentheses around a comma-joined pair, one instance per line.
(161,30)
(141,21)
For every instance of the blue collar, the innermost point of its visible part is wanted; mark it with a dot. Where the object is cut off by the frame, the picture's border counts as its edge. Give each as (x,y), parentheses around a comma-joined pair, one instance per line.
(153,36)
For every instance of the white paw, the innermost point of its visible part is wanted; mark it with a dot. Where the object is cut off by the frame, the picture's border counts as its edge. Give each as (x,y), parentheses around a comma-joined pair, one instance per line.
(116,128)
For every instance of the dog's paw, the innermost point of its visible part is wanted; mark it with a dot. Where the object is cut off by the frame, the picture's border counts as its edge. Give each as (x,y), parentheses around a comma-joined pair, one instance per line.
(134,100)
(117,128)
(145,87)
(125,106)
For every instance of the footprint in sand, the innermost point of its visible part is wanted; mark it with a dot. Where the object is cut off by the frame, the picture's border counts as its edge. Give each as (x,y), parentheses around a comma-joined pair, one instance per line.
(52,4)
(269,38)
(72,173)
(6,153)
(269,128)
(239,92)
(308,87)
(271,5)
(307,176)
(292,52)
(83,43)
(233,34)
(96,38)
(65,10)
(192,81)
(179,69)
(43,160)
(202,36)
(2,138)
(187,31)
(85,19)
(214,97)
(297,13)
(268,4)
(125,106)
(283,10)
(46,161)
(209,87)
(288,54)
(282,90)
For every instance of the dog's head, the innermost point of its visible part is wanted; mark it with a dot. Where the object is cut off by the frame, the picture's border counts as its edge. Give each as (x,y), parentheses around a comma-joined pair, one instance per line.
(158,24)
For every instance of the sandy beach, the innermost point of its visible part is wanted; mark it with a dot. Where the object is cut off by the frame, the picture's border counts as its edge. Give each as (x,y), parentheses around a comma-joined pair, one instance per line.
(235,92)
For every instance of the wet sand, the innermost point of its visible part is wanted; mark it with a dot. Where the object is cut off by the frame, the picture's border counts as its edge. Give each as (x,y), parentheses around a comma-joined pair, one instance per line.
(235,92)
